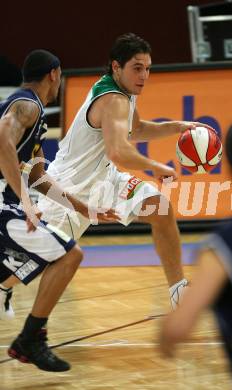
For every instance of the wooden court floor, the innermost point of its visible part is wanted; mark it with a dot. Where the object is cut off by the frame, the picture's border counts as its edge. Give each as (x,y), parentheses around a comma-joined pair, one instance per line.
(110,319)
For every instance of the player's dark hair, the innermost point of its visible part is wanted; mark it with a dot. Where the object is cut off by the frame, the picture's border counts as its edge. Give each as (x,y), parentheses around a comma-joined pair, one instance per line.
(125,47)
(228,146)
(37,64)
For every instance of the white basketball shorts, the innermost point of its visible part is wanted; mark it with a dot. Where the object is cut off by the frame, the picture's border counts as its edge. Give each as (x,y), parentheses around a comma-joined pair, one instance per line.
(122,192)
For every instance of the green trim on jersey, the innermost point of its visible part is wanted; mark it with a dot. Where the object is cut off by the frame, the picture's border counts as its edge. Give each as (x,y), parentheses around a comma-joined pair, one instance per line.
(105,85)
(135,190)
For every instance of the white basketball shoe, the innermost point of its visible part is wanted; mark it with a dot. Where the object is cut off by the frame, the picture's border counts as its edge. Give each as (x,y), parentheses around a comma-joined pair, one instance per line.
(6,310)
(176,291)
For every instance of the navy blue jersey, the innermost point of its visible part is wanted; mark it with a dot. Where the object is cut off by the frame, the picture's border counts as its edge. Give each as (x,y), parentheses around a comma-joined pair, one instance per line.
(30,142)
(221,243)
(21,254)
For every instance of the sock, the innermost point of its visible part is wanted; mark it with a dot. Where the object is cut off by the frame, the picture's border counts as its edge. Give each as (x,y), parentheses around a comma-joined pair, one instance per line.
(4,288)
(32,327)
(182,282)
(175,291)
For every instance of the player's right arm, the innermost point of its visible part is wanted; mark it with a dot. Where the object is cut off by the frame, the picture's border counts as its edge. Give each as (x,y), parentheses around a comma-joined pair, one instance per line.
(21,115)
(114,123)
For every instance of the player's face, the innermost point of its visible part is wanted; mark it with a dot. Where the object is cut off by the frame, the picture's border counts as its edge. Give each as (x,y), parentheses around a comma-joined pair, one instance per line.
(133,75)
(56,80)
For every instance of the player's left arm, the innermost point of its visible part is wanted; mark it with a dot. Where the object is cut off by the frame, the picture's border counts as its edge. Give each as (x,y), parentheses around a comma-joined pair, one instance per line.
(148,130)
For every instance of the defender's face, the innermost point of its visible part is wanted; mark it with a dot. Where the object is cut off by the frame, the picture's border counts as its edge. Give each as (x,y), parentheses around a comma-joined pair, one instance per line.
(56,80)
(133,75)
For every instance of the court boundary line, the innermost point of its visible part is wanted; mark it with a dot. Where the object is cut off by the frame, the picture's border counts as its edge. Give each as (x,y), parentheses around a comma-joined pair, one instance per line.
(126,344)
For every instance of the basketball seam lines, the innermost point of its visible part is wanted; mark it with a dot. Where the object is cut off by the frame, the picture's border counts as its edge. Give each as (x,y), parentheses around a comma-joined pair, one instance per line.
(195,150)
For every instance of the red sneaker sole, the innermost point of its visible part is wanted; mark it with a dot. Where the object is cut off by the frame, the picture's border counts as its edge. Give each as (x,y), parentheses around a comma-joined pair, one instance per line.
(14,355)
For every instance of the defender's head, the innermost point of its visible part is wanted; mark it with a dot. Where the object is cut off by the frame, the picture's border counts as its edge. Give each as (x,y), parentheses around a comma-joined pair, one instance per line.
(41,65)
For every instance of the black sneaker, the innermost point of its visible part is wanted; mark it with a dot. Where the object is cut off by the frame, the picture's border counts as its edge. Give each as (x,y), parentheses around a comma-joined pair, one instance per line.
(38,353)
(15,351)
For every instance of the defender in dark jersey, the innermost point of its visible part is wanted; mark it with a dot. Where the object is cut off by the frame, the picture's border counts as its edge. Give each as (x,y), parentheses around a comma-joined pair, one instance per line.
(28,245)
(212,285)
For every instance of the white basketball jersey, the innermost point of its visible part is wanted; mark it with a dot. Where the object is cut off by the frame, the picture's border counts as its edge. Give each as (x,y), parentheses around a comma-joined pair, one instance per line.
(81,159)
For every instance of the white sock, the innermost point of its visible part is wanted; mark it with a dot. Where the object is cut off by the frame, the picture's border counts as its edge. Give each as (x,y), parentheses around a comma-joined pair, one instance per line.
(176,290)
(183,282)
(3,287)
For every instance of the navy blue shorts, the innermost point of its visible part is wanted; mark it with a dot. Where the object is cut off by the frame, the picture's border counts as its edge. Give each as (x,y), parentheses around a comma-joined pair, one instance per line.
(24,254)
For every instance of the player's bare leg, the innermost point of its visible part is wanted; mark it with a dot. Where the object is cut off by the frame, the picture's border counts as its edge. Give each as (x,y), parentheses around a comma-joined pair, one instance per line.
(54,280)
(166,237)
(30,345)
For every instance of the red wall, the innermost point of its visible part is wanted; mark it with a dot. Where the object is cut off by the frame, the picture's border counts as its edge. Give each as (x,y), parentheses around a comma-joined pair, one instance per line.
(81,33)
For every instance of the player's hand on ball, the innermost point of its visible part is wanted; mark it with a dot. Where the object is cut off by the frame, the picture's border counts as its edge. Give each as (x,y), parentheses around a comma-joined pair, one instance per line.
(185,125)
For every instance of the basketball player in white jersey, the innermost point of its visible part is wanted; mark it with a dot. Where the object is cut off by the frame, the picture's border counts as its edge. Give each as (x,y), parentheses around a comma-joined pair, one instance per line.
(99,140)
